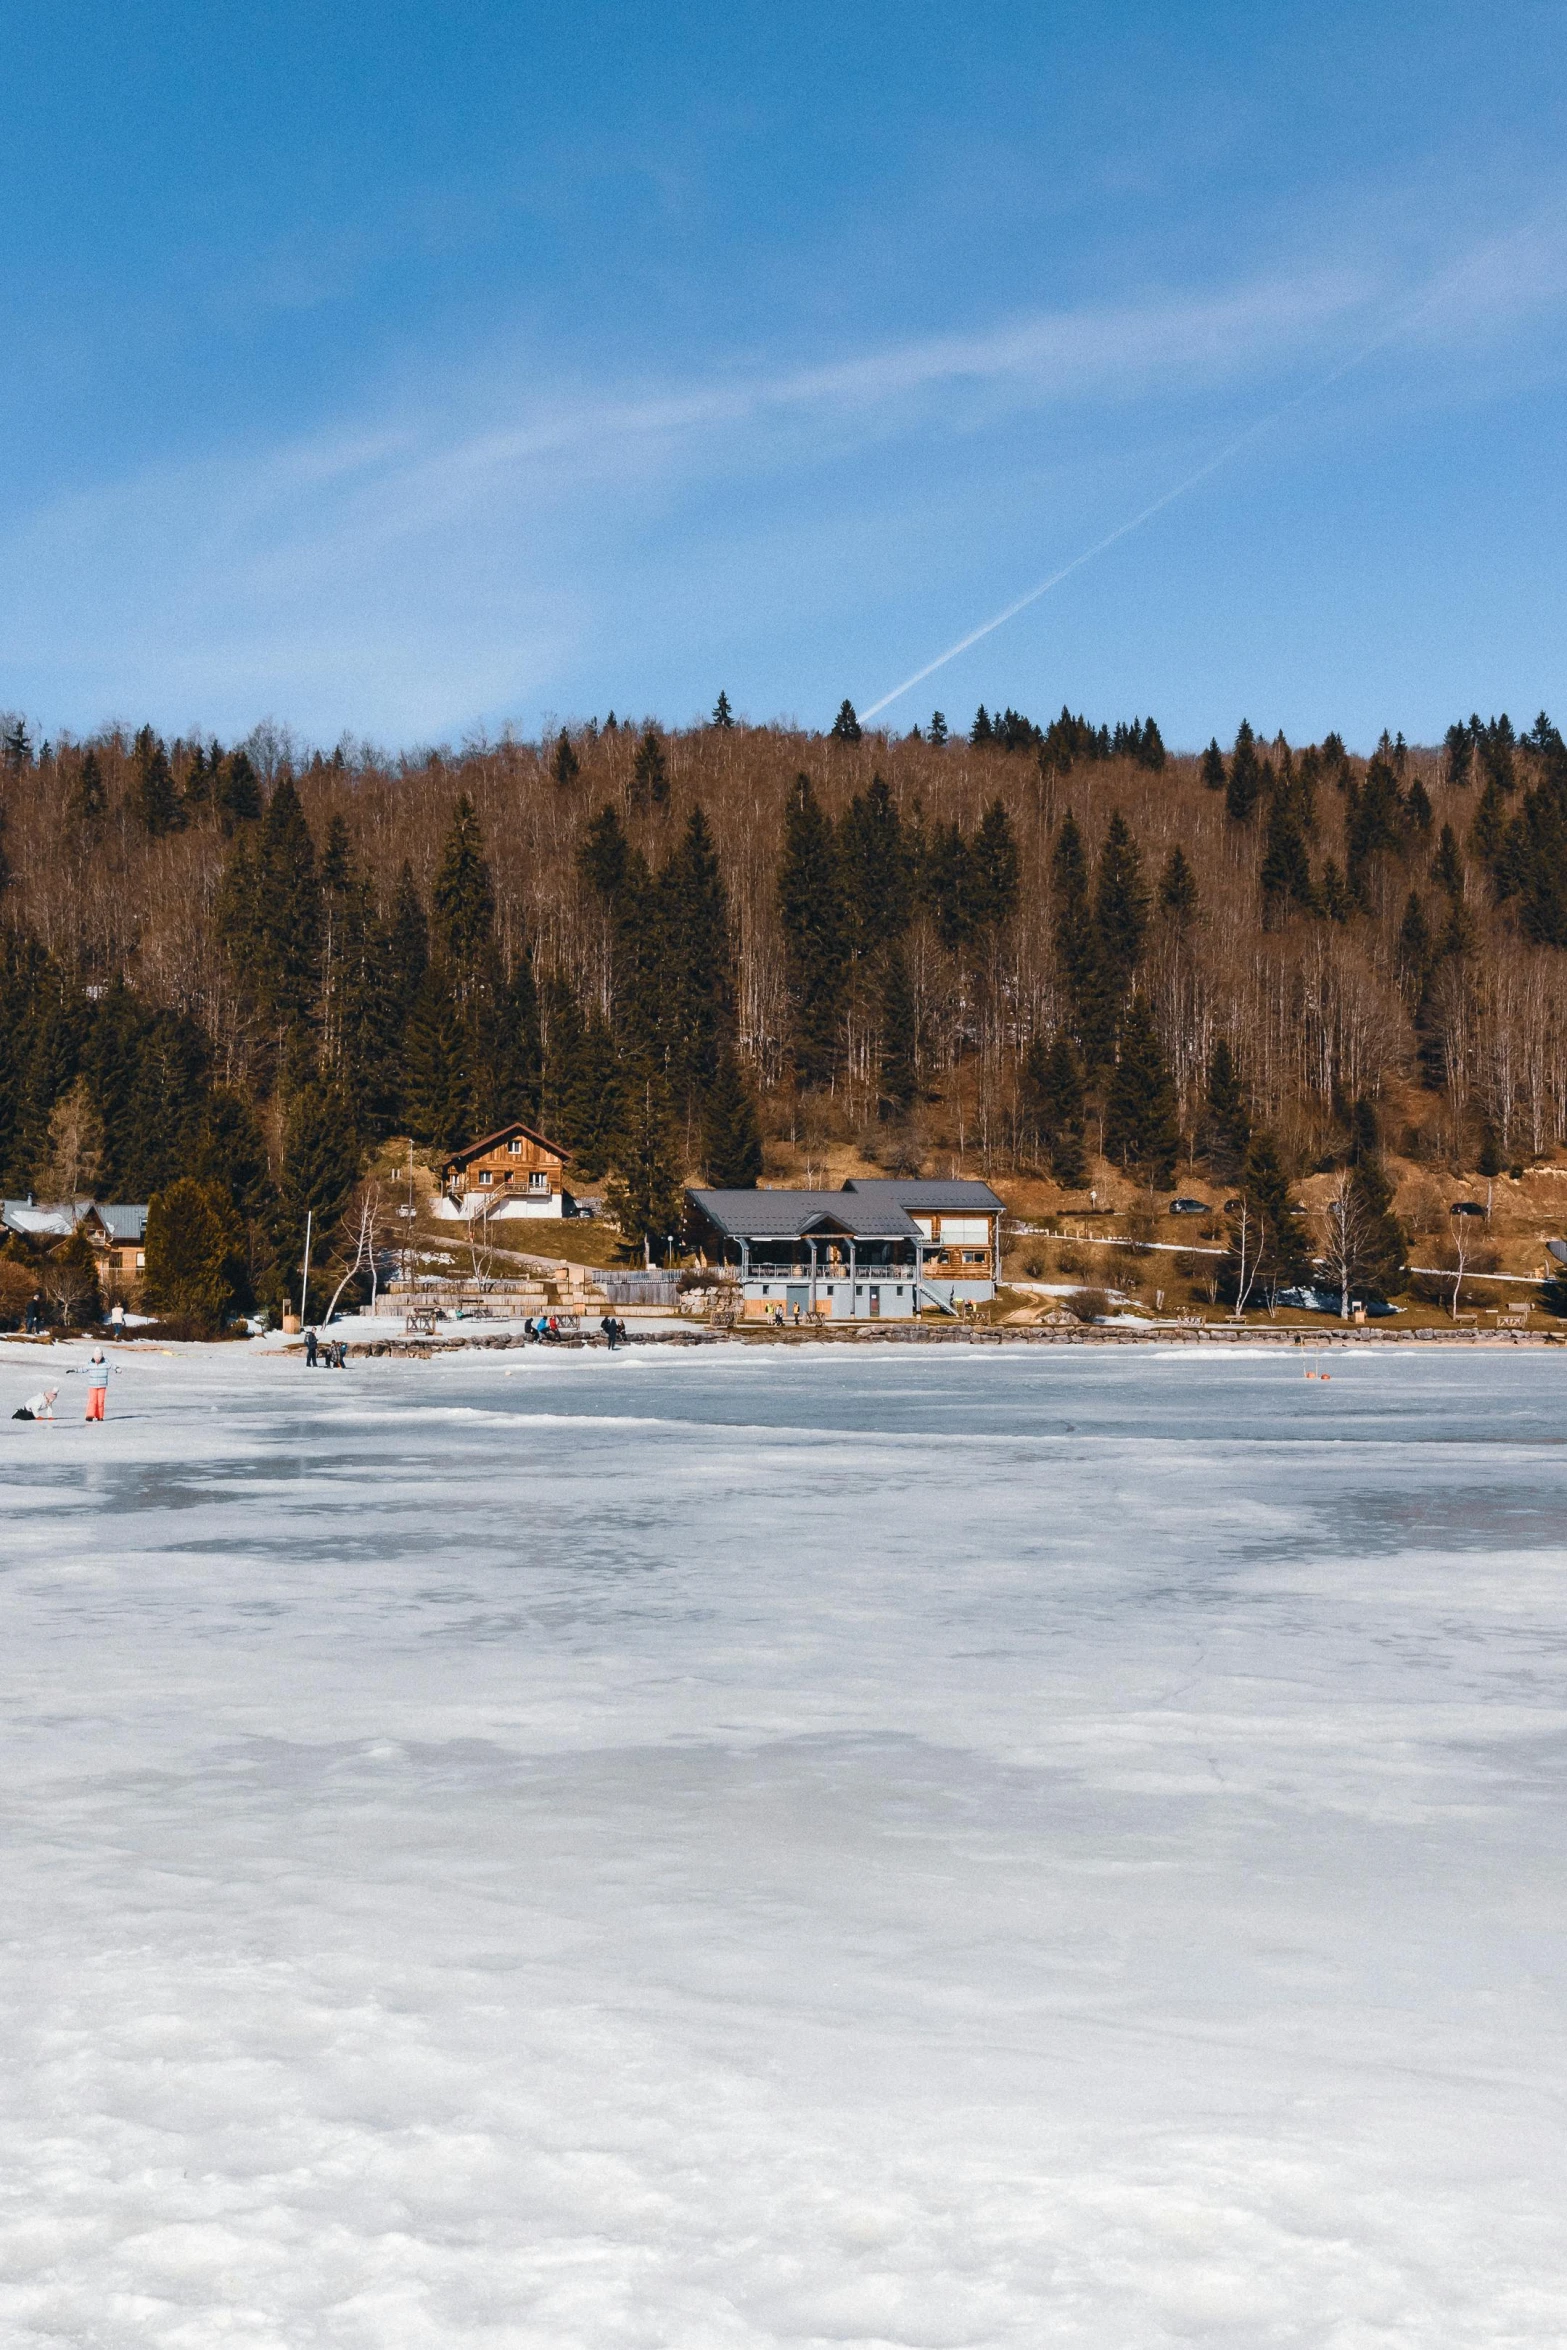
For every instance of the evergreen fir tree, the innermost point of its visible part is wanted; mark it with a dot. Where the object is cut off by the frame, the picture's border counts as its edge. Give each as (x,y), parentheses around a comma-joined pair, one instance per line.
(723,716)
(1332,895)
(593,1098)
(320,1168)
(602,855)
(845,727)
(1178,892)
(1227,1123)
(462,898)
(1140,1115)
(645,1197)
(566,765)
(154,801)
(1414,945)
(649,775)
(981,734)
(1214,773)
(236,790)
(435,1078)
(731,1133)
(811,915)
(1417,807)
(696,966)
(1274,1244)
(1077,947)
(899,1042)
(1120,906)
(87,801)
(196,1266)
(1053,1105)
(994,868)
(874,862)
(1285,876)
(1447,869)
(936,733)
(1244,786)
(229,1152)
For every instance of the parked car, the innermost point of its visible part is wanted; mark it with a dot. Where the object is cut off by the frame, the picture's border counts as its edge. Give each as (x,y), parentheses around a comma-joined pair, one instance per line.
(1466,1207)
(1188,1207)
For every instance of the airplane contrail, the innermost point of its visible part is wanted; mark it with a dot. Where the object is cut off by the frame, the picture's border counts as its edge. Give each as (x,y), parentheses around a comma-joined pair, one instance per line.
(1404,317)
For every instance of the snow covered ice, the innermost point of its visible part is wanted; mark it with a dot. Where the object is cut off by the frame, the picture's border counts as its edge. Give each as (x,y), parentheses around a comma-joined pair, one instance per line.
(891,1846)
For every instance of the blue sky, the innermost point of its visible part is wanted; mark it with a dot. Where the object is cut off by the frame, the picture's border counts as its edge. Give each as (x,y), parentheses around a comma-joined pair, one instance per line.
(413,371)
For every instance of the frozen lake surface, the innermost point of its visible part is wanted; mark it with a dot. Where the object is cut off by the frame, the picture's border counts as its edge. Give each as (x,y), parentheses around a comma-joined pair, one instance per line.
(890,1847)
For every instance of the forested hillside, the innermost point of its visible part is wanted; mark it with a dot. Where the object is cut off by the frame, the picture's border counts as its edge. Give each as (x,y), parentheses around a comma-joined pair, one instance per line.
(1016,949)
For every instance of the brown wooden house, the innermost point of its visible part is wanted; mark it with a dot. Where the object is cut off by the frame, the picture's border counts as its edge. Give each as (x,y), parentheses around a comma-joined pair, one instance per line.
(516,1171)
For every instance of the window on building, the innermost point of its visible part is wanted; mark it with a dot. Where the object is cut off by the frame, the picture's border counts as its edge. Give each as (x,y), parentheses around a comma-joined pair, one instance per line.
(485,1176)
(515,1146)
(539,1180)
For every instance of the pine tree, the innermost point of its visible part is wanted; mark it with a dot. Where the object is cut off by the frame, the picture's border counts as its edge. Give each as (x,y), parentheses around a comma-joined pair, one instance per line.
(723,716)
(435,1077)
(566,765)
(811,915)
(899,1040)
(601,856)
(1332,895)
(649,775)
(1077,947)
(1244,787)
(696,994)
(236,790)
(1285,875)
(874,862)
(1214,774)
(1227,1124)
(1414,945)
(1140,1119)
(994,868)
(1052,1105)
(936,733)
(1120,906)
(1178,892)
(593,1089)
(1263,1229)
(731,1133)
(462,898)
(87,801)
(845,727)
(196,1266)
(645,1197)
(1447,869)
(154,801)
(981,733)
(320,1168)
(229,1152)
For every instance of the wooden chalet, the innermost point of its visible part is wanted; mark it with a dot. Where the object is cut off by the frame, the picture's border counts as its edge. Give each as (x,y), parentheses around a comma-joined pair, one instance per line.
(516,1171)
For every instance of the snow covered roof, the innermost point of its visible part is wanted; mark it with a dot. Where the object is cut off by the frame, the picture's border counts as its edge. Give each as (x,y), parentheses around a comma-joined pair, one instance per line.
(57,1219)
(35,1220)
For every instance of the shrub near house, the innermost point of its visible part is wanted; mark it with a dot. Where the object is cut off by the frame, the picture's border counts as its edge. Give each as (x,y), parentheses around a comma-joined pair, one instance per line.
(195,1254)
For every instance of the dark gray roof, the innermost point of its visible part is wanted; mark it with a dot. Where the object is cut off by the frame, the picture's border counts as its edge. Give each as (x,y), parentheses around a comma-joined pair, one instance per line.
(788,1215)
(123,1220)
(954,1195)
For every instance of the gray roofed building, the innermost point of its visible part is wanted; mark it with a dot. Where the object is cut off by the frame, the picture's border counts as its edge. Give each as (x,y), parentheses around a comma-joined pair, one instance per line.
(877,1248)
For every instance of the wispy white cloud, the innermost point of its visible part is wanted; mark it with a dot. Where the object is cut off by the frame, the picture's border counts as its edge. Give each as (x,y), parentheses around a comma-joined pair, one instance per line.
(427,558)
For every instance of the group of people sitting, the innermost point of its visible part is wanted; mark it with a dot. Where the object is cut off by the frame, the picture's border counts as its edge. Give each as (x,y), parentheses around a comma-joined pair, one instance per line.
(330,1352)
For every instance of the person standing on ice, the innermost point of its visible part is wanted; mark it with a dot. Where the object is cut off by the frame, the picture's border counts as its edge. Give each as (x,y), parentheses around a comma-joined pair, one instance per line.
(310,1350)
(39,1406)
(96,1370)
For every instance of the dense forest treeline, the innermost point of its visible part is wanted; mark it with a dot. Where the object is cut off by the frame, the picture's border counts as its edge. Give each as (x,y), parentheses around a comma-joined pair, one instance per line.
(246,967)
